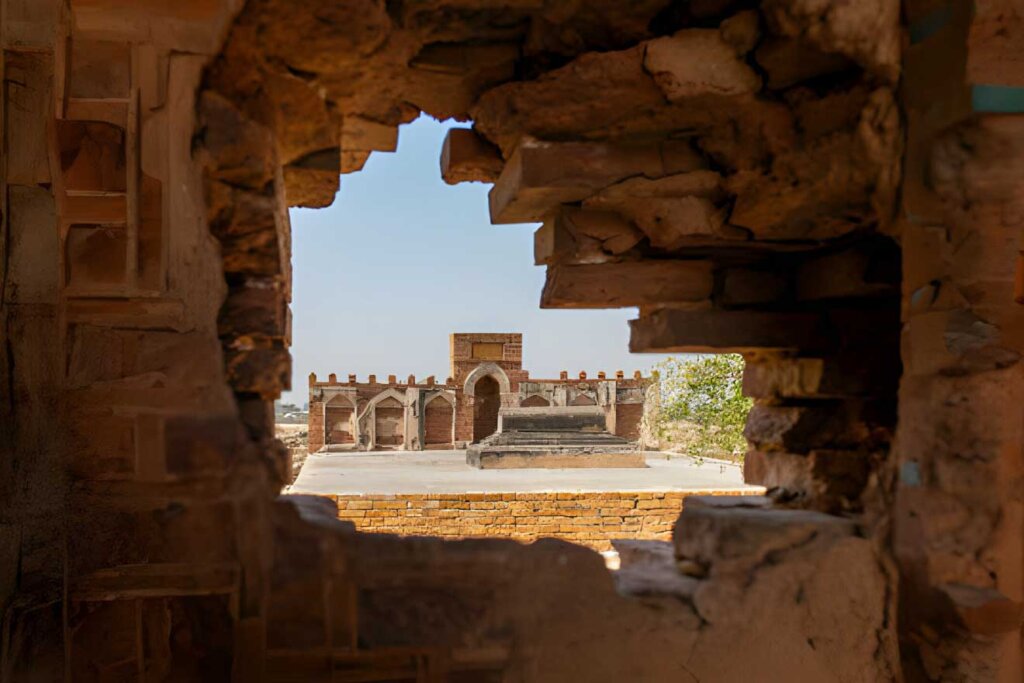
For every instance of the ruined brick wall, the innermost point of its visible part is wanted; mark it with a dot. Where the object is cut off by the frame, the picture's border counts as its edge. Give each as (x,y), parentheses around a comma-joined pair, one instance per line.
(590,519)
(670,175)
(513,386)
(958,515)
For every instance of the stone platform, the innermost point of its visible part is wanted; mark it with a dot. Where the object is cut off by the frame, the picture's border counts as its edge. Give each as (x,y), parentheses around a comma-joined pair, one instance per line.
(430,472)
(554,438)
(436,493)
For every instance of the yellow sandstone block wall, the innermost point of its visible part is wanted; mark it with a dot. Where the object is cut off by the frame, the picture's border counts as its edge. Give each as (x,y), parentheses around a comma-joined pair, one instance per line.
(591,519)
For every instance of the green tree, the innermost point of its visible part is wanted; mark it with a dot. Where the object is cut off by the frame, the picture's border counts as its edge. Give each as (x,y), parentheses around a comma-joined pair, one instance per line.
(706,393)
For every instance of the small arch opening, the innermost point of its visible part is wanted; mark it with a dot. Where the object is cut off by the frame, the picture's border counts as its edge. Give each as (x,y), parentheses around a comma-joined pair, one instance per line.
(487,403)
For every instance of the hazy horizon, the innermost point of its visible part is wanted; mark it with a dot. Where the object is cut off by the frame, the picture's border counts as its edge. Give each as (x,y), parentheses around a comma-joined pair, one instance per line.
(401,260)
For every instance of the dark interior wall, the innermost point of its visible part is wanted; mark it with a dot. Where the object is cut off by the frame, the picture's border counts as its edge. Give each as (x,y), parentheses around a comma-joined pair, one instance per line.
(486,405)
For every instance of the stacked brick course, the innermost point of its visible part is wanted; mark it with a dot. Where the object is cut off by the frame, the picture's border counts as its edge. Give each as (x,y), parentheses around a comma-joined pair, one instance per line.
(593,519)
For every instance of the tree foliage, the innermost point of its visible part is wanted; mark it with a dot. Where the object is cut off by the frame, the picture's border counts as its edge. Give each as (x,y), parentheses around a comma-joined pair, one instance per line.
(706,393)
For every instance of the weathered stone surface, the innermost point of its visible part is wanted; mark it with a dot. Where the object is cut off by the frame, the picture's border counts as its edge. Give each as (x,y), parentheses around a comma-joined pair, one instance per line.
(246,223)
(630,283)
(831,377)
(866,270)
(676,331)
(578,236)
(698,62)
(262,370)
(821,425)
(301,119)
(826,480)
(788,62)
(539,176)
(311,188)
(669,210)
(734,540)
(354,161)
(982,610)
(255,306)
(29,93)
(466,157)
(546,612)
(360,135)
(866,32)
(779,554)
(830,187)
(648,569)
(747,287)
(994,55)
(241,149)
(504,114)
(32,238)
(324,31)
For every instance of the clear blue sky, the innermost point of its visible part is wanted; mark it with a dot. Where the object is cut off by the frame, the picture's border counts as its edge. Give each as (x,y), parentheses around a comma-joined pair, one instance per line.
(402,259)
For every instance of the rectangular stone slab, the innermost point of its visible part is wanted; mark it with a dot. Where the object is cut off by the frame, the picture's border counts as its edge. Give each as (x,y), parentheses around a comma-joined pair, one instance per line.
(539,175)
(553,419)
(630,283)
(717,331)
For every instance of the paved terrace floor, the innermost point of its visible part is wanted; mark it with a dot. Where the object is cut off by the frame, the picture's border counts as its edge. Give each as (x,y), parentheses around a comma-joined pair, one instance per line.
(392,472)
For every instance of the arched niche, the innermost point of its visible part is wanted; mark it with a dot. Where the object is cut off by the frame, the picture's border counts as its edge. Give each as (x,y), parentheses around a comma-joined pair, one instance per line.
(439,420)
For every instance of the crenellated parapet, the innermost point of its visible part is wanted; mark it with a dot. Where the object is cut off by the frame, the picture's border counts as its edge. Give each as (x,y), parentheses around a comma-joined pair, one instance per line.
(488,379)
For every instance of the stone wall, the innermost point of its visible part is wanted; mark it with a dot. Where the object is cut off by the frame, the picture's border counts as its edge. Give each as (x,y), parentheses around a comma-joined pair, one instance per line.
(590,519)
(635,398)
(722,170)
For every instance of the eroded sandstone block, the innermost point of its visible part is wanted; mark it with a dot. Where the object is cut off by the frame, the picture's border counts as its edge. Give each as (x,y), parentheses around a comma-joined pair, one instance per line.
(866,32)
(577,236)
(466,157)
(630,283)
(669,330)
(670,209)
(699,62)
(860,374)
(800,429)
(591,91)
(826,480)
(242,151)
(539,176)
(827,187)
(789,563)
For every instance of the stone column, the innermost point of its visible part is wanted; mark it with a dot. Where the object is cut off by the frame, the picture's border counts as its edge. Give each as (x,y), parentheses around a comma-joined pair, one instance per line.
(958,522)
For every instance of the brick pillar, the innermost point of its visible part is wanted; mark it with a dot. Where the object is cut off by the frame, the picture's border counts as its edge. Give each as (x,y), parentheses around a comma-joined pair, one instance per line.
(959,517)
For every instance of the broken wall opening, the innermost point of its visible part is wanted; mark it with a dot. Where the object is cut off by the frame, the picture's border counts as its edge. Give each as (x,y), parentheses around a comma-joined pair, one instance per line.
(666,198)
(180,467)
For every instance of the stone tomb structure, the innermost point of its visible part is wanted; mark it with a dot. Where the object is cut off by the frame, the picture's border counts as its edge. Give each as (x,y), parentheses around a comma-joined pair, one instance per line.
(833,189)
(488,393)
(558,436)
